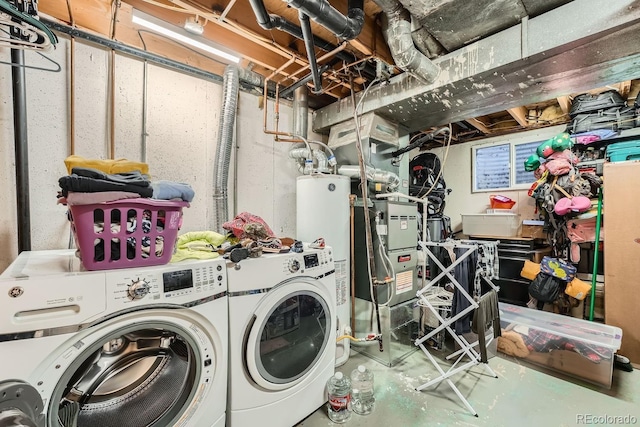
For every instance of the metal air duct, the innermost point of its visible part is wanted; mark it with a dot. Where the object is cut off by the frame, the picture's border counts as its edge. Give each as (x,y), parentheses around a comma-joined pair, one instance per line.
(230,87)
(301,111)
(396,28)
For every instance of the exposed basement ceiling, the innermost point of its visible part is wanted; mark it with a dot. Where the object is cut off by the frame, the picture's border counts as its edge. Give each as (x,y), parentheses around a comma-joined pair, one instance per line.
(506,65)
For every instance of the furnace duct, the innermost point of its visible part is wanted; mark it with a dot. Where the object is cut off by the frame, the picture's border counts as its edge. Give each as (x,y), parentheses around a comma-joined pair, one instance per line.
(396,28)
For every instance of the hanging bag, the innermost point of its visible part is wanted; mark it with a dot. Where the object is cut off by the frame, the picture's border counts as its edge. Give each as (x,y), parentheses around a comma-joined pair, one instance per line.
(545,288)
(558,268)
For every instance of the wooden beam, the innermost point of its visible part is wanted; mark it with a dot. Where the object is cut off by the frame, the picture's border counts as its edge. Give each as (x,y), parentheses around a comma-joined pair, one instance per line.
(249,44)
(93,15)
(565,104)
(369,42)
(520,115)
(479,125)
(625,87)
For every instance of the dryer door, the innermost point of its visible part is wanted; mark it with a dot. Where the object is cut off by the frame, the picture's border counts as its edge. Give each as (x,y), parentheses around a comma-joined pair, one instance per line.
(20,405)
(153,367)
(289,335)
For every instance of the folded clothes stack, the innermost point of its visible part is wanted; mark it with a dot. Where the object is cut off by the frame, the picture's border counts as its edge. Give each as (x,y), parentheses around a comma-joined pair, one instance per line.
(90,185)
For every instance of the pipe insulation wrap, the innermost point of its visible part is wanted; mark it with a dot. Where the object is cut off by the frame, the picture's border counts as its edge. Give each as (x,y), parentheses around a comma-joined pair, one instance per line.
(230,89)
(374,175)
(299,153)
(396,29)
(322,161)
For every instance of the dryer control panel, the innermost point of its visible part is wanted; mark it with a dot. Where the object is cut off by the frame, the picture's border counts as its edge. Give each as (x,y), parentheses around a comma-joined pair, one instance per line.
(173,284)
(308,262)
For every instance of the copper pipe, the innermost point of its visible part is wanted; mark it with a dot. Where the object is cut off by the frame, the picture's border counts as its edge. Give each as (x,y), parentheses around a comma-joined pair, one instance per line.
(322,58)
(266,101)
(355,63)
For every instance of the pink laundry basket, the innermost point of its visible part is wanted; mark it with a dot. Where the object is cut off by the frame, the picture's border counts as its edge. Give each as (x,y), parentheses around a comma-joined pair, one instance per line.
(126,233)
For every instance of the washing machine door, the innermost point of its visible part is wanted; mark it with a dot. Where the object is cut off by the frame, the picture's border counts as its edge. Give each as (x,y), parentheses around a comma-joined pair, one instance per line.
(289,334)
(153,367)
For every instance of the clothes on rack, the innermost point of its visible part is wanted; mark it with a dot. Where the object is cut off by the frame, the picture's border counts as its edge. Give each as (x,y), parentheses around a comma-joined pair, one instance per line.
(465,274)
(485,317)
(488,266)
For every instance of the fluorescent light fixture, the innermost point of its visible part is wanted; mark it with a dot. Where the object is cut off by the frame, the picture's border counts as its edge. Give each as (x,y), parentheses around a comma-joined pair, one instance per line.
(146,21)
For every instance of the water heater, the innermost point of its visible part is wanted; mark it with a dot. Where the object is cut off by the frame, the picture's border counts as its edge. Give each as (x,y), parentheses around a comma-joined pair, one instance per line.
(322,206)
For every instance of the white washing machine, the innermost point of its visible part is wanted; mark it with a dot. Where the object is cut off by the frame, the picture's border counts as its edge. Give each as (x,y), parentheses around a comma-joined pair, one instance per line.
(282,342)
(132,347)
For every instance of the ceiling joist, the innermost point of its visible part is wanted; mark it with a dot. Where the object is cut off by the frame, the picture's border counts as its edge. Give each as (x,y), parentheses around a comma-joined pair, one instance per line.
(520,115)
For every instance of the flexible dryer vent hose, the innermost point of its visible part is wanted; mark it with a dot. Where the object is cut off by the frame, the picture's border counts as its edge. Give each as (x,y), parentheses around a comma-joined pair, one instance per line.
(230,88)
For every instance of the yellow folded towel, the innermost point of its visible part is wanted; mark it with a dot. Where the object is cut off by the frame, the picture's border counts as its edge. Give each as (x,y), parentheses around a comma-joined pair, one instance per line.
(106,166)
(530,270)
(578,289)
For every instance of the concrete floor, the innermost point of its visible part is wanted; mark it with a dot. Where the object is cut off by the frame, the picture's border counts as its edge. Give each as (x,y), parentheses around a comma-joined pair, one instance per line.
(522,395)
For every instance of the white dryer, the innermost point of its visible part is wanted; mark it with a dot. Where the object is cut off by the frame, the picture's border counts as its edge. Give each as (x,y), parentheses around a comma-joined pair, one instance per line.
(133,347)
(282,342)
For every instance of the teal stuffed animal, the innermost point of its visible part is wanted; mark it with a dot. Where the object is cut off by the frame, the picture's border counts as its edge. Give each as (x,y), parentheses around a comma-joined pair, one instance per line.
(557,143)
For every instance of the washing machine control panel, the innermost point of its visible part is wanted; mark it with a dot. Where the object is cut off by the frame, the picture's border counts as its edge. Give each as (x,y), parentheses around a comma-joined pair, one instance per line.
(176,284)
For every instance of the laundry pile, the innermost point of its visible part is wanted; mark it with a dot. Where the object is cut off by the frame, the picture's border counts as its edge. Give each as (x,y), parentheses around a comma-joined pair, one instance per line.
(521,341)
(248,236)
(115,208)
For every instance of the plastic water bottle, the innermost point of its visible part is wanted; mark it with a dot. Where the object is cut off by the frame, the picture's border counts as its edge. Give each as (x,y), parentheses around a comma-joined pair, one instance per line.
(339,391)
(362,399)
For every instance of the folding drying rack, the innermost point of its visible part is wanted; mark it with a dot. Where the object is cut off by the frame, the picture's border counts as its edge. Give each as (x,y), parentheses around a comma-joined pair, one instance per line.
(466,348)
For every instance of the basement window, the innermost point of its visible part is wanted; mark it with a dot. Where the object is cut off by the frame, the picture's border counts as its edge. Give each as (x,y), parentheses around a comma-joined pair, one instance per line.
(501,166)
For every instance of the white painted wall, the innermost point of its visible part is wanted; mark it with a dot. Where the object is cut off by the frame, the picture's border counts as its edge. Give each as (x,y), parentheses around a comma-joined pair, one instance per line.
(182,122)
(458,176)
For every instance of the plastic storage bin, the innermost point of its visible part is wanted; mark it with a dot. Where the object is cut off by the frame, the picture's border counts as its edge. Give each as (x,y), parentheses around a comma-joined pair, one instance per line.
(575,347)
(126,233)
(623,151)
(495,224)
(500,202)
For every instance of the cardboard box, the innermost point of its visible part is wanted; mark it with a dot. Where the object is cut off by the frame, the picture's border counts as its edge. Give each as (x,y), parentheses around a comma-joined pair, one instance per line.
(533,229)
(622,252)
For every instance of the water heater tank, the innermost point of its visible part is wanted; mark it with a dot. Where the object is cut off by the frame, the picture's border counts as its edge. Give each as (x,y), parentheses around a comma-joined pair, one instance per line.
(322,207)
